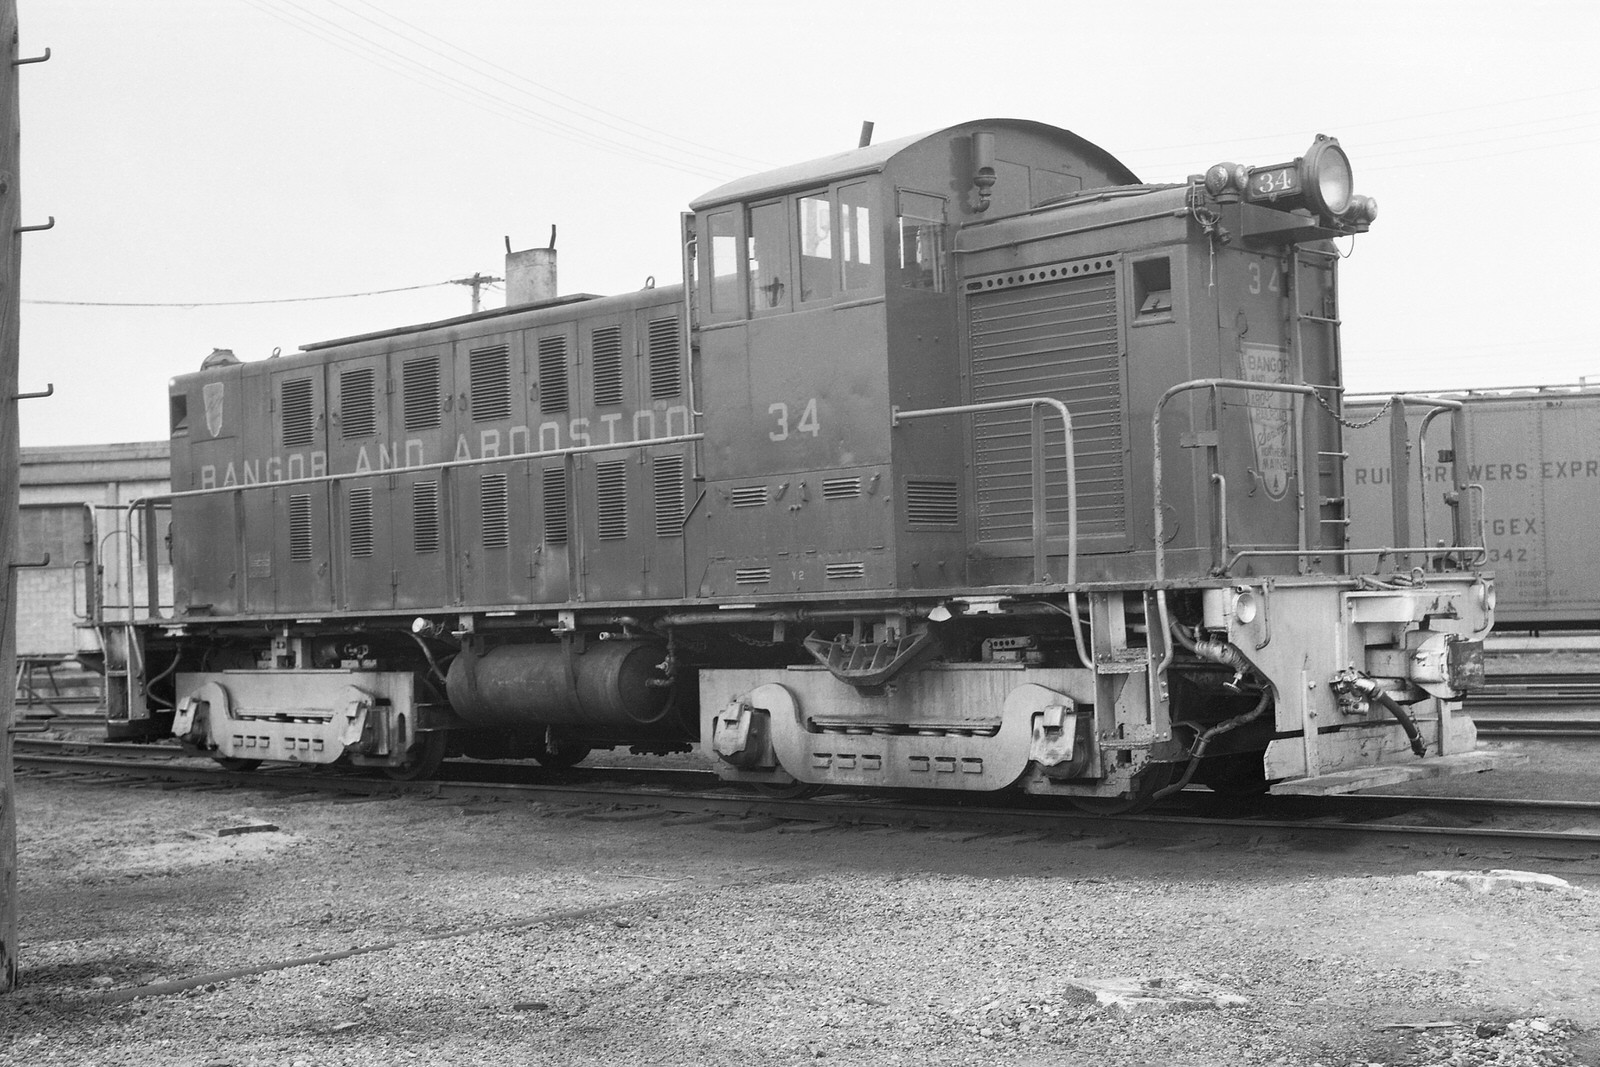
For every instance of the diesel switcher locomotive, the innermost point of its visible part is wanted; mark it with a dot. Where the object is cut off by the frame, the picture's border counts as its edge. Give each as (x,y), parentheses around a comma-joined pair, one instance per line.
(963,461)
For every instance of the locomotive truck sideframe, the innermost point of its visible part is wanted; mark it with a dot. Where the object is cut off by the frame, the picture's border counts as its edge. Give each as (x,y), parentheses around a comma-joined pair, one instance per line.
(811,513)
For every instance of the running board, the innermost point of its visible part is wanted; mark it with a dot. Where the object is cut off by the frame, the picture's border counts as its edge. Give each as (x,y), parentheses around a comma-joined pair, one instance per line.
(1395,773)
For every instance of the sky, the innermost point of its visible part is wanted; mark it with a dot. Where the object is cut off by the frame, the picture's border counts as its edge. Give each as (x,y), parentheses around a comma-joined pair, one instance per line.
(209,153)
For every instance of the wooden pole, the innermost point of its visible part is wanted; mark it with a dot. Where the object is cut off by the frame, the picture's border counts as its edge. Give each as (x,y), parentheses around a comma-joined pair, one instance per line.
(10,264)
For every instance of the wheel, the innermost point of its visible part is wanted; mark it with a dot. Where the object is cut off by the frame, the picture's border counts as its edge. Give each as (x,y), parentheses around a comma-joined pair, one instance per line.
(234,763)
(422,759)
(1149,782)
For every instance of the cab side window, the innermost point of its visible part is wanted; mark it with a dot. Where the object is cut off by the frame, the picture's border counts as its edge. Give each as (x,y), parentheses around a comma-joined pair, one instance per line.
(815,217)
(855,237)
(724,265)
(922,241)
(769,258)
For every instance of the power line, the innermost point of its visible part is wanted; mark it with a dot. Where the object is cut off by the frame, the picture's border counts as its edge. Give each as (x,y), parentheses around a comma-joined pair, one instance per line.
(233,303)
(1382,122)
(651,134)
(385,57)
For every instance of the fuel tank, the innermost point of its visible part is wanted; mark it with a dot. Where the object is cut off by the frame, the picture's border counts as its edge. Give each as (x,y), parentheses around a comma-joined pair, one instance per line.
(605,689)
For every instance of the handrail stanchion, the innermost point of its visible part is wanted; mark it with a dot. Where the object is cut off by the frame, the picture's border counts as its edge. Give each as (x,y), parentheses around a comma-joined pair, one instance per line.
(1155,432)
(1040,506)
(1041,510)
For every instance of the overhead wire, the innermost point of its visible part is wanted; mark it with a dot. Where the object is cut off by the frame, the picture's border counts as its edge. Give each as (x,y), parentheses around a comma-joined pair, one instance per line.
(1383,122)
(382,55)
(233,303)
(651,134)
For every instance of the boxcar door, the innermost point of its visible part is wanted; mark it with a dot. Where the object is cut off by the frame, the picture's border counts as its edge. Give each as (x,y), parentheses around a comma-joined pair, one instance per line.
(423,432)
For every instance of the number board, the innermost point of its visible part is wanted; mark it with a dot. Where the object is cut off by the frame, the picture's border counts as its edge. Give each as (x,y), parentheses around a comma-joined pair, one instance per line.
(1268,183)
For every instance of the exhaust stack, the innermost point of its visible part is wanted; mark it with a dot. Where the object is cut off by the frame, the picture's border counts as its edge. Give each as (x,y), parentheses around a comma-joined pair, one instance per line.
(531,273)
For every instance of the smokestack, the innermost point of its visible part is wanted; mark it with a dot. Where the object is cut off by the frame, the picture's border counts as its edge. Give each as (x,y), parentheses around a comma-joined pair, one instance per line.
(531,273)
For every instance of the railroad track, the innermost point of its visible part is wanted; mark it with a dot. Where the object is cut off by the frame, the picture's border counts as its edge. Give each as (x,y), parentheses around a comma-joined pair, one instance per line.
(1496,830)
(1553,706)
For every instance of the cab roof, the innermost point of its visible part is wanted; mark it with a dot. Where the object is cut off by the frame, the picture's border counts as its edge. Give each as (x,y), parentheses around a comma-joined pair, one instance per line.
(875,158)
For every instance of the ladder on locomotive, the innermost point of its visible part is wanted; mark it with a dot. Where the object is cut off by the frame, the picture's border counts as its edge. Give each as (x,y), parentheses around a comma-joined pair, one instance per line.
(1331,502)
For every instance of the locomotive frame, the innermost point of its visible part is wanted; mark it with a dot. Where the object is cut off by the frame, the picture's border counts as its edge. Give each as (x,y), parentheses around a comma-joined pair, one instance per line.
(811,513)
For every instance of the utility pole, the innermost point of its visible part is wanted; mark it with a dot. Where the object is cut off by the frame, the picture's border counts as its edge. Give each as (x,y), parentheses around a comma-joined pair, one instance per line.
(10,264)
(477,281)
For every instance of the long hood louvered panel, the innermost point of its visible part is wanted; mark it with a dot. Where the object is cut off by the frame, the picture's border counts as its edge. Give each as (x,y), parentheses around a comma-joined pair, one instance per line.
(1055,339)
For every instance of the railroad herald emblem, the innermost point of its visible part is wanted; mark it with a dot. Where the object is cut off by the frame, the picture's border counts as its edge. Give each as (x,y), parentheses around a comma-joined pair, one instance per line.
(213,398)
(1271,415)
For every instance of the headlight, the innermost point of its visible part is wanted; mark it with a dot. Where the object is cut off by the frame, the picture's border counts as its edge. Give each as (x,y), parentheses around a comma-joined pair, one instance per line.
(1329,183)
(1320,181)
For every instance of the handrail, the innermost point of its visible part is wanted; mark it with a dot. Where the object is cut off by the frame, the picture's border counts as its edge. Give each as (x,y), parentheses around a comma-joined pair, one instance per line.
(136,505)
(1040,511)
(1402,550)
(1155,431)
(1439,408)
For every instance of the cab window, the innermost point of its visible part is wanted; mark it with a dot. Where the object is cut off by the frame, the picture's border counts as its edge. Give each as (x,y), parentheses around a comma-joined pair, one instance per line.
(922,241)
(815,217)
(724,265)
(769,258)
(855,237)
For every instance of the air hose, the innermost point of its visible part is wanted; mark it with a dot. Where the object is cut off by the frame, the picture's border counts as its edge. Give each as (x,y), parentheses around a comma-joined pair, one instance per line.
(1230,656)
(1373,692)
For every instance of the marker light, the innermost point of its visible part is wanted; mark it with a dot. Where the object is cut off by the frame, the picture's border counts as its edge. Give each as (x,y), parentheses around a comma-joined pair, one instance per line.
(1226,179)
(1362,209)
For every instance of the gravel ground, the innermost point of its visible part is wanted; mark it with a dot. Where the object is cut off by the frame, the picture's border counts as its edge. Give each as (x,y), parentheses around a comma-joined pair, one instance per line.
(525,934)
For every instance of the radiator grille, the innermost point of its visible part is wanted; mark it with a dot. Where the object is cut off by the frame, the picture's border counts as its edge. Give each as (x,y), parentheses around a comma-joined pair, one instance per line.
(843,571)
(555,505)
(666,377)
(298,412)
(419,386)
(752,576)
(606,345)
(361,522)
(490,372)
(496,511)
(358,404)
(552,374)
(670,499)
(748,496)
(300,526)
(425,516)
(1054,338)
(611,499)
(931,503)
